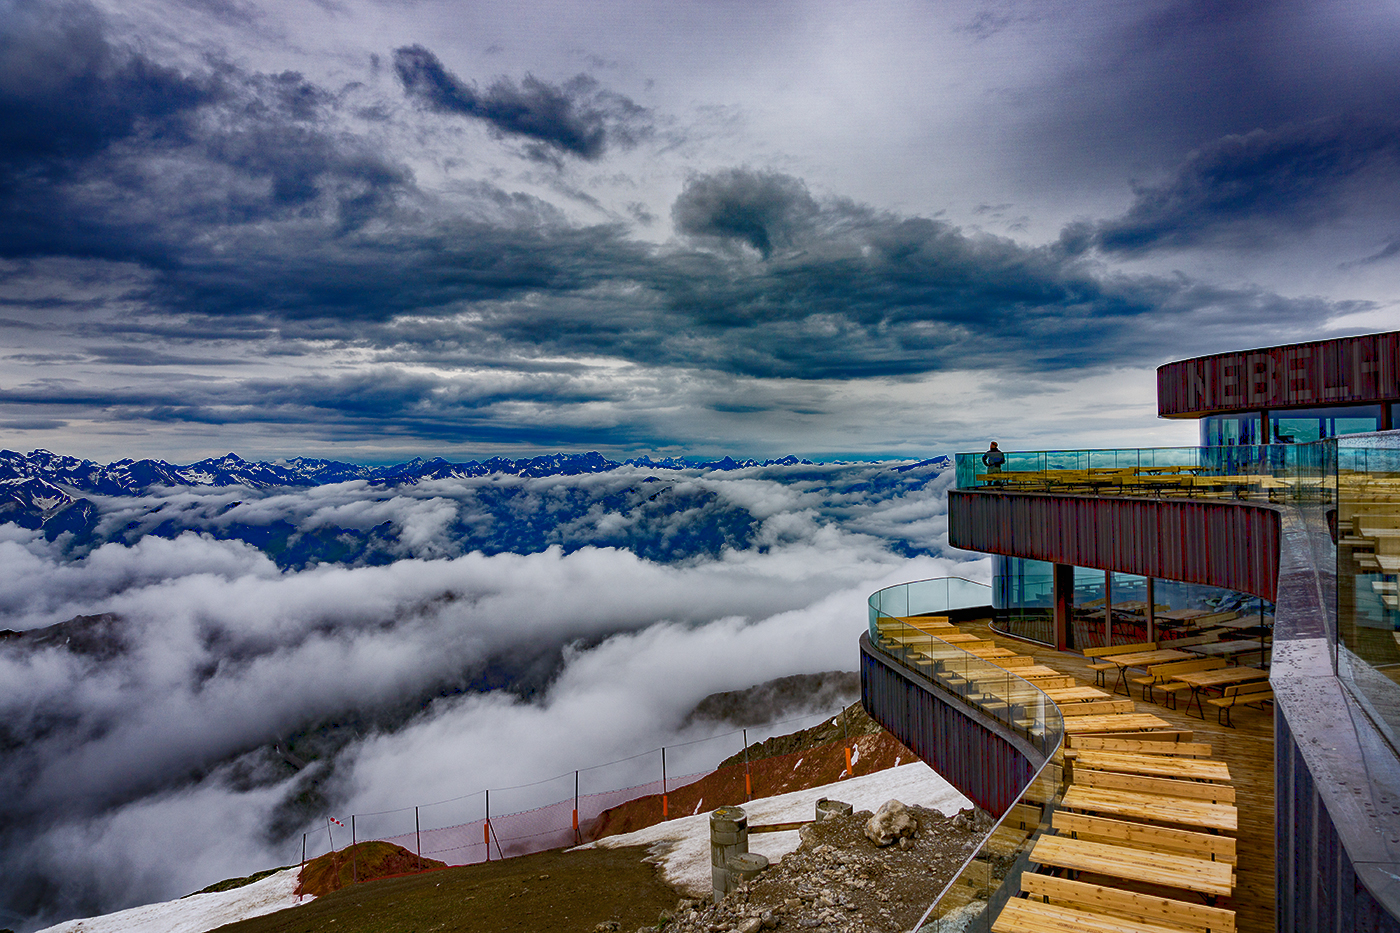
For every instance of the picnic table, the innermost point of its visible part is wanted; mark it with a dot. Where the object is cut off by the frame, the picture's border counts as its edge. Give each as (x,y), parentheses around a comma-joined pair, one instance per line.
(1153,807)
(1173,871)
(1220,677)
(1143,659)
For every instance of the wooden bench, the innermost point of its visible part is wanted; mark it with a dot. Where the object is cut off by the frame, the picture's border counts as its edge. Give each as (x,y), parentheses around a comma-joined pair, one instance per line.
(1153,808)
(1013,661)
(1162,673)
(1168,766)
(1165,787)
(1113,722)
(1163,868)
(1144,836)
(1022,915)
(1101,668)
(1098,899)
(1141,746)
(1156,734)
(1097,707)
(1248,694)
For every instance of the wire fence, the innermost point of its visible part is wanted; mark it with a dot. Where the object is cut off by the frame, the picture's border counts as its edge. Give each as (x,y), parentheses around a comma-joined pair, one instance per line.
(561,810)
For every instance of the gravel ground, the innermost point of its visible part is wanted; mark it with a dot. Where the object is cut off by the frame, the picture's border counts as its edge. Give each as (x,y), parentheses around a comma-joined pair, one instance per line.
(838,881)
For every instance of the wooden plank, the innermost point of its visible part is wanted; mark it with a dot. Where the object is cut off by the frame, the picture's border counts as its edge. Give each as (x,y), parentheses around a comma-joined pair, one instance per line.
(1076,694)
(1144,836)
(1098,898)
(1166,787)
(1168,766)
(1114,722)
(1020,915)
(1168,734)
(1147,807)
(1098,708)
(1200,749)
(1163,868)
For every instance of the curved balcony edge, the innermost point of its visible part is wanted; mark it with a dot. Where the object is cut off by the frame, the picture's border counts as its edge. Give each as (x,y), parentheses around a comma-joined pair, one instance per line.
(1235,545)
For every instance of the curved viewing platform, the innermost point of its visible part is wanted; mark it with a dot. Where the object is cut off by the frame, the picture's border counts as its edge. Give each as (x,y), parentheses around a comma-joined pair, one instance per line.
(1076,761)
(1281,556)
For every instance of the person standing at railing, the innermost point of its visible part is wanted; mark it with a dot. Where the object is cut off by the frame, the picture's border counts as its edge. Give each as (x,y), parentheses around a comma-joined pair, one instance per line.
(992,460)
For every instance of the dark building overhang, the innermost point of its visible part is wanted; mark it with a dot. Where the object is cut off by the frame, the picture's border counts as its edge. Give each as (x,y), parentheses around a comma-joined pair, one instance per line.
(1229,544)
(1344,371)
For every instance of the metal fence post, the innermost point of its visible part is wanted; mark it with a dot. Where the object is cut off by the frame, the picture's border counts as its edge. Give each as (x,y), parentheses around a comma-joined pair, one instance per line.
(748,780)
(486,827)
(664,815)
(354,855)
(418,836)
(578,838)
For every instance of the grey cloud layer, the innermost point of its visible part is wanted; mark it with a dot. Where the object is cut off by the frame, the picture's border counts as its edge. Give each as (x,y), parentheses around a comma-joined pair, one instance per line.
(175,218)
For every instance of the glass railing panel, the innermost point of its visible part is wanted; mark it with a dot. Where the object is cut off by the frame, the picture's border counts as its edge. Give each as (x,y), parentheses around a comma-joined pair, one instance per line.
(1277,472)
(1366,528)
(992,874)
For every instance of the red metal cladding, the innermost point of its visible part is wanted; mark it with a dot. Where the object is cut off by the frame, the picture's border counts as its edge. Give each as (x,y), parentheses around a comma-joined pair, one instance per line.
(1234,545)
(1349,370)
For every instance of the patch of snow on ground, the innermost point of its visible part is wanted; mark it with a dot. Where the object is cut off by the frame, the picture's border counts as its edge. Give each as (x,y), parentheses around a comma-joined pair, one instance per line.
(198,912)
(681,847)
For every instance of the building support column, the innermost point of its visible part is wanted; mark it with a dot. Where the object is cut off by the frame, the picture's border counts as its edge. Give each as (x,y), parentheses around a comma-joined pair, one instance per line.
(1064,606)
(1151,609)
(1108,607)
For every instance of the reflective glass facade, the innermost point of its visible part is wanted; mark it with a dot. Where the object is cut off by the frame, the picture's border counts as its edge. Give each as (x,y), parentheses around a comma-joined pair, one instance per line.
(1232,430)
(1295,426)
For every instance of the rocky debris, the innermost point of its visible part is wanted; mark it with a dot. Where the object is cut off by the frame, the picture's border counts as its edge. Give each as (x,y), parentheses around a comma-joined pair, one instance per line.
(891,823)
(838,881)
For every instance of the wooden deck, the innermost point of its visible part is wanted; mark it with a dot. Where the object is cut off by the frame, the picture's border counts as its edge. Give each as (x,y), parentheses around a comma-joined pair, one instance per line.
(1247,749)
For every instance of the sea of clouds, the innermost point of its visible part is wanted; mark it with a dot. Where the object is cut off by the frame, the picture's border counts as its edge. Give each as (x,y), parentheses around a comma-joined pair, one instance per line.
(156,750)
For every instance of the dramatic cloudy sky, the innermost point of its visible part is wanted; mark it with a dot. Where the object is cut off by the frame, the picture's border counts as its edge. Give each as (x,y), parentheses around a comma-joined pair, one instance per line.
(379,229)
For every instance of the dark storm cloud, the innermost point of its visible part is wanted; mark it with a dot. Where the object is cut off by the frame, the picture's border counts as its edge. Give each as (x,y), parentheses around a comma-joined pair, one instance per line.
(1245,190)
(1148,83)
(758,208)
(105,154)
(67,93)
(576,118)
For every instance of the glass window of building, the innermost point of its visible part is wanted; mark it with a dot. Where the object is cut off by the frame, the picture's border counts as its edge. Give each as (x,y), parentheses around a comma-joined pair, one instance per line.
(1231,430)
(1312,424)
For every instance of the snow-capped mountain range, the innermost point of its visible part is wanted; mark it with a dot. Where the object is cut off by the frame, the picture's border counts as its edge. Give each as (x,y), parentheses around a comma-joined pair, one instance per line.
(660,509)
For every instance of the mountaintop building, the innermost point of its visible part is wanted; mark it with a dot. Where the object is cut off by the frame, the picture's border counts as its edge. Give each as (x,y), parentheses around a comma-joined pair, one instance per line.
(1270,552)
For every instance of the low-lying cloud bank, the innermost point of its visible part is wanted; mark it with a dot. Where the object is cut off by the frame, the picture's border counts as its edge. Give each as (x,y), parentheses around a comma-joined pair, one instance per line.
(211,706)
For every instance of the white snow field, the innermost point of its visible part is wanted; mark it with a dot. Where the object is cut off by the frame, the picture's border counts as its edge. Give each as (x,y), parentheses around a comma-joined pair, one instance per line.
(681,847)
(198,912)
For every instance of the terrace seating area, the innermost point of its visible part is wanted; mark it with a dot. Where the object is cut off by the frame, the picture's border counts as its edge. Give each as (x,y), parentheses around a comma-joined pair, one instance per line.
(1151,481)
(1134,824)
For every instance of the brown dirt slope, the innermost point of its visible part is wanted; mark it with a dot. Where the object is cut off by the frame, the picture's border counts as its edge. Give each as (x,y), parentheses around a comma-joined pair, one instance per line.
(363,861)
(778,774)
